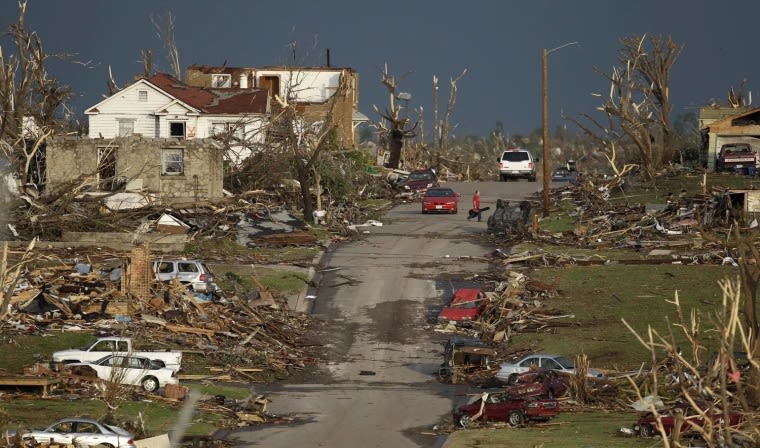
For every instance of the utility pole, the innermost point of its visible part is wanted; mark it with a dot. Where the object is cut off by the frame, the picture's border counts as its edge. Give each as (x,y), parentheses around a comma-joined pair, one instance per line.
(545,118)
(545,123)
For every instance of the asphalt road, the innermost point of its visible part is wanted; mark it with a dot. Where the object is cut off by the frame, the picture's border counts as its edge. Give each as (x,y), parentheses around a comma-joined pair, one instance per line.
(377,297)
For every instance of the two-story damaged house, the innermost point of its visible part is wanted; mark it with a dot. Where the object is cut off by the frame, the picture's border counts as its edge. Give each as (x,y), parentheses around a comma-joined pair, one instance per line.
(319,93)
(162,136)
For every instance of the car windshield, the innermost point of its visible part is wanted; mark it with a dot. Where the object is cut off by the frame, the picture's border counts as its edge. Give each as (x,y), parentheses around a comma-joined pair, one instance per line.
(515,156)
(440,193)
(426,175)
(102,360)
(566,363)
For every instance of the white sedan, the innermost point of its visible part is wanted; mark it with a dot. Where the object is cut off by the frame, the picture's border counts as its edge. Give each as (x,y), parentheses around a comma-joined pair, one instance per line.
(509,371)
(80,432)
(129,370)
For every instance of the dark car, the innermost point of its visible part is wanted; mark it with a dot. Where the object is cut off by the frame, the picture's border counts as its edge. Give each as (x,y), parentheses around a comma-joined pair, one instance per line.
(502,407)
(418,182)
(542,383)
(647,424)
(563,174)
(440,200)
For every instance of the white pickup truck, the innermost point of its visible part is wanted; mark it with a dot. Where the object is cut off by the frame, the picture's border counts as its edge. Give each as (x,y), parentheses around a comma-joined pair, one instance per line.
(100,347)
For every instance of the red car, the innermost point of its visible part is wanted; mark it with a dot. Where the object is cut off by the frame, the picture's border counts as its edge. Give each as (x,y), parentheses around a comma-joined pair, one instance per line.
(647,424)
(502,407)
(440,200)
(465,306)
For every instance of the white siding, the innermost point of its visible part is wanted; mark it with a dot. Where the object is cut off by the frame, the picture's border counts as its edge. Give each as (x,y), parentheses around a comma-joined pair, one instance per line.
(126,105)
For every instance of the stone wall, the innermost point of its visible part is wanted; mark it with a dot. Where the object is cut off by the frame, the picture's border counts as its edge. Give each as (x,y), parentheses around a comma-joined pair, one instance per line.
(137,158)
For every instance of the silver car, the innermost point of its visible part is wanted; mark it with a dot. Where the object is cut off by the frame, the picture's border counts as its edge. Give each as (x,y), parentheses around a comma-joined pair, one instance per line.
(80,432)
(194,273)
(509,371)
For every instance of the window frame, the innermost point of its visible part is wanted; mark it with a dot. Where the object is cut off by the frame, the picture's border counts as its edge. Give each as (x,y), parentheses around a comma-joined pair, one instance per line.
(175,123)
(165,152)
(123,121)
(142,95)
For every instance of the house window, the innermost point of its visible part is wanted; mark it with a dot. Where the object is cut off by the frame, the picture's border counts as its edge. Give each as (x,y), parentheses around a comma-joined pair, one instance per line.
(142,95)
(221,81)
(177,129)
(219,128)
(126,127)
(173,161)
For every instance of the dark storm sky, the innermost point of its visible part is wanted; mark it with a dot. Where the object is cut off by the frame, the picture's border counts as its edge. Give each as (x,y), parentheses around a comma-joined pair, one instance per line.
(498,42)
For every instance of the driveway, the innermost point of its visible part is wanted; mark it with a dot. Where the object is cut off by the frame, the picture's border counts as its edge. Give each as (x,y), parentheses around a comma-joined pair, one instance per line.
(375,300)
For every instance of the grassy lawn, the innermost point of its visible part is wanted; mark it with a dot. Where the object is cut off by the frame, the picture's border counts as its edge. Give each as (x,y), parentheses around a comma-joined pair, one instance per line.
(600,296)
(585,429)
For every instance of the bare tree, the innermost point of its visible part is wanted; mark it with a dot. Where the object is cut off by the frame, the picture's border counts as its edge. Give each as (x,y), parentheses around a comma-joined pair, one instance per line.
(444,144)
(29,102)
(164,26)
(654,66)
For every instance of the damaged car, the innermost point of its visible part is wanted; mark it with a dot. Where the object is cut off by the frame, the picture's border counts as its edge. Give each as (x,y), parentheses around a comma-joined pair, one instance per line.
(465,307)
(418,182)
(509,371)
(691,418)
(502,407)
(541,383)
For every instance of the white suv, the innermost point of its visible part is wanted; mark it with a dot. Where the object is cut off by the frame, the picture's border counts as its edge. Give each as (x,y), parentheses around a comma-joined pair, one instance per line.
(516,163)
(193,273)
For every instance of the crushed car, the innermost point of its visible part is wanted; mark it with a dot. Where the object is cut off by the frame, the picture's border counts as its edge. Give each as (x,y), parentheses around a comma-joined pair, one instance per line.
(540,383)
(502,407)
(418,182)
(465,306)
(463,355)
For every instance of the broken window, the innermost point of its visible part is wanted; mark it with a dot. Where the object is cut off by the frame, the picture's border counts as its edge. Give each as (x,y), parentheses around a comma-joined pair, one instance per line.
(142,95)
(126,127)
(173,161)
(222,81)
(106,167)
(177,129)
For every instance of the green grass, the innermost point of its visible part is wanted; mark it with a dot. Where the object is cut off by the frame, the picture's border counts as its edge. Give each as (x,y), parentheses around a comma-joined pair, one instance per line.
(19,350)
(229,249)
(159,416)
(600,296)
(597,430)
(273,278)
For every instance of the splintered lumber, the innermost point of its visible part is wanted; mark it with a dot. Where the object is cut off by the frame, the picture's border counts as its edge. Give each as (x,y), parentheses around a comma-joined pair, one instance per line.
(193,330)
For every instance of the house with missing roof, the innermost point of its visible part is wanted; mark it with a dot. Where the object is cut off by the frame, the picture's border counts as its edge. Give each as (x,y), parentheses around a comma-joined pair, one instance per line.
(162,141)
(319,93)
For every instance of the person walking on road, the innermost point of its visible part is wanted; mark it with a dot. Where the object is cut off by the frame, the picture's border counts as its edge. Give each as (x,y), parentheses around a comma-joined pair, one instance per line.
(475,206)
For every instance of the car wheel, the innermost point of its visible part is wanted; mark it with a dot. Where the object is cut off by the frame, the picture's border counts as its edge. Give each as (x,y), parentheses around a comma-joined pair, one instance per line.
(424,212)
(515,418)
(512,379)
(532,179)
(646,431)
(503,177)
(465,420)
(455,211)
(150,384)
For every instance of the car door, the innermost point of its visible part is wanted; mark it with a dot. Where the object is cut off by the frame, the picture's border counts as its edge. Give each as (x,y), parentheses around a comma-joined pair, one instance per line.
(88,434)
(550,364)
(62,433)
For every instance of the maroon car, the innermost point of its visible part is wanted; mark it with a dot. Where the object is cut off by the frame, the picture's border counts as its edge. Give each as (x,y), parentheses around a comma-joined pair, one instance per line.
(541,383)
(647,424)
(418,182)
(502,407)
